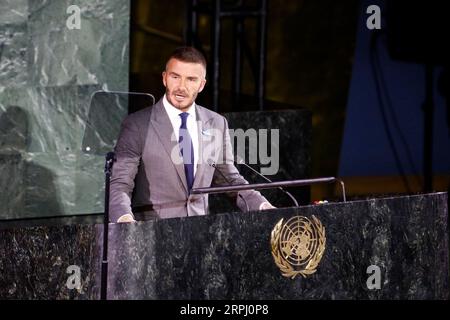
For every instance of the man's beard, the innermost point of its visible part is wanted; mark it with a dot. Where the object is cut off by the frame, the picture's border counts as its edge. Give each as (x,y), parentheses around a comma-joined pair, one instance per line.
(182,104)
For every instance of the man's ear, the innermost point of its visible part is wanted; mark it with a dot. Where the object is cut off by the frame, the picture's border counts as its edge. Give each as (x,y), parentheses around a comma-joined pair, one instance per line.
(202,85)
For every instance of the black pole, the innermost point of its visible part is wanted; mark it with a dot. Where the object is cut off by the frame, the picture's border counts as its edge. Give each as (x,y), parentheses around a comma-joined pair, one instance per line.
(262,29)
(110,157)
(428,109)
(262,186)
(216,55)
(270,185)
(191,23)
(237,71)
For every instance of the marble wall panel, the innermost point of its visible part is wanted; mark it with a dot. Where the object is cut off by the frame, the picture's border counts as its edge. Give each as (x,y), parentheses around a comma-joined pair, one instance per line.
(48,74)
(97,53)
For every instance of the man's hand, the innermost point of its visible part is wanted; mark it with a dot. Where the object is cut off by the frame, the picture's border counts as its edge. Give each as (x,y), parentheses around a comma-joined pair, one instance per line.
(266,206)
(126,218)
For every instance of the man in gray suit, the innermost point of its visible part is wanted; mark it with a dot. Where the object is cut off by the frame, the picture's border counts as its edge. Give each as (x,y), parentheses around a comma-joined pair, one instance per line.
(167,149)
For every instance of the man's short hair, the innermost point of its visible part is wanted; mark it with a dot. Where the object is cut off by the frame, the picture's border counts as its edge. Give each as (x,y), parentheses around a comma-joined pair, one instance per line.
(188,54)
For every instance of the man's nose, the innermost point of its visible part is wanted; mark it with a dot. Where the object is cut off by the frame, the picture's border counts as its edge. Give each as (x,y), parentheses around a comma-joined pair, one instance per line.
(183,83)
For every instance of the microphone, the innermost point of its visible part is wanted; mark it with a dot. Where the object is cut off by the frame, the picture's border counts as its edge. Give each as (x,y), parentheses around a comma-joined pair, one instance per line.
(212,164)
(110,158)
(240,161)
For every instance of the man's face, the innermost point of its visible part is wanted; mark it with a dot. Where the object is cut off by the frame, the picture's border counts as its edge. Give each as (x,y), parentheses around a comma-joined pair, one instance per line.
(183,82)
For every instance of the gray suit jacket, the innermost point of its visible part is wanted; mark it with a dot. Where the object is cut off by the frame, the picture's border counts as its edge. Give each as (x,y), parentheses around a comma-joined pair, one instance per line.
(149,172)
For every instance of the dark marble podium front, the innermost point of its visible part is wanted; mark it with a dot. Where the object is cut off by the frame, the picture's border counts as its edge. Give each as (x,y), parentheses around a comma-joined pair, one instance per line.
(227,256)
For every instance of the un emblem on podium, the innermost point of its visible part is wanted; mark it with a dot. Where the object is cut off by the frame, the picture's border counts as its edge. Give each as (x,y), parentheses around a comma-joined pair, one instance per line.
(298,245)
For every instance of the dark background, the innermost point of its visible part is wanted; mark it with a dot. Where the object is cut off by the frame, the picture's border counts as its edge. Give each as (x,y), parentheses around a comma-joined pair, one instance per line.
(311,47)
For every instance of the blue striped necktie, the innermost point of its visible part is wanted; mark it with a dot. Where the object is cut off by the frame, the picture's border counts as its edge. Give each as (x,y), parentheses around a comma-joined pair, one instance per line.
(187,150)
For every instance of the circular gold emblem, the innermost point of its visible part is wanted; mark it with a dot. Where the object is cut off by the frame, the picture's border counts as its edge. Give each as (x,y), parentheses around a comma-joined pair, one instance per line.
(298,245)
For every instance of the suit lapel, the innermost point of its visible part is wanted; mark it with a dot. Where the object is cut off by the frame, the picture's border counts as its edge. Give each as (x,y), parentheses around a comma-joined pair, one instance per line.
(203,124)
(163,127)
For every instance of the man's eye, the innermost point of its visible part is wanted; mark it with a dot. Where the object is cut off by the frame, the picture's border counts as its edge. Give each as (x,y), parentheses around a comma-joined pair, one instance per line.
(174,76)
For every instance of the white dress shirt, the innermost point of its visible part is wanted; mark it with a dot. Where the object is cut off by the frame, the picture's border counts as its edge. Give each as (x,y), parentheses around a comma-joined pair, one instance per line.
(191,124)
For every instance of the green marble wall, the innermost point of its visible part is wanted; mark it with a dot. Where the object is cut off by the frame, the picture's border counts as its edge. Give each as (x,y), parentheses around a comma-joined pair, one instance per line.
(48,74)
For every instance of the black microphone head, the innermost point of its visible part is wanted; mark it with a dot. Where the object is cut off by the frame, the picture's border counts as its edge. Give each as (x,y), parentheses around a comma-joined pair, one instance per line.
(110,156)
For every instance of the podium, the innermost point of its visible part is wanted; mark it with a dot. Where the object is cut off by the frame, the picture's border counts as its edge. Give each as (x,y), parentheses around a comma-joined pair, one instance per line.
(228,256)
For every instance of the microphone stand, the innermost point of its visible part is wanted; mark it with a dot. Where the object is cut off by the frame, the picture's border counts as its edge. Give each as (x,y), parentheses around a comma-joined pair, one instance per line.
(268,180)
(110,158)
(212,164)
